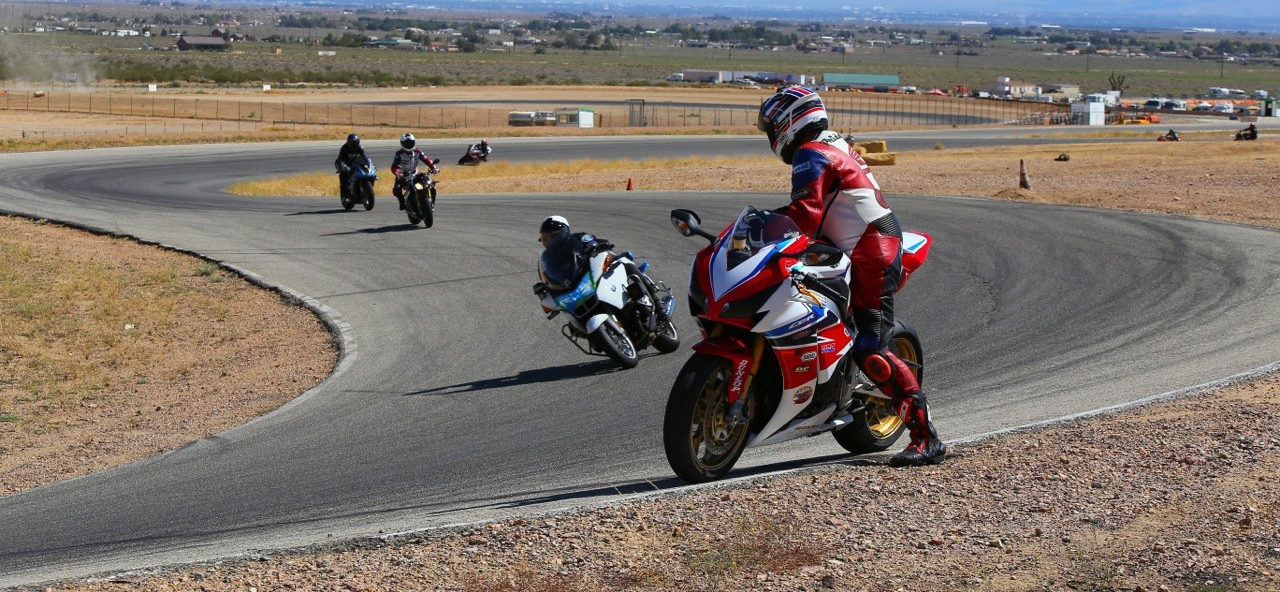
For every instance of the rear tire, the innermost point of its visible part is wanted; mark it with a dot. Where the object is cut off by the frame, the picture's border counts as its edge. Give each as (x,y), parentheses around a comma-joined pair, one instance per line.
(613,341)
(700,444)
(877,427)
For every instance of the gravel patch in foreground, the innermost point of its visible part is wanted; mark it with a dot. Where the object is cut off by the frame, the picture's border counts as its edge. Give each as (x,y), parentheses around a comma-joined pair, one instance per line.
(1174,496)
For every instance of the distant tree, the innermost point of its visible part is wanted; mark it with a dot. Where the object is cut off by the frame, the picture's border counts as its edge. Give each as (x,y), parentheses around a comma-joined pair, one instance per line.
(1117,82)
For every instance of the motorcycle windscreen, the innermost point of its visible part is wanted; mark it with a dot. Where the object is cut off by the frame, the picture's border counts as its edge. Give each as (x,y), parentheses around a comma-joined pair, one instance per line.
(559,266)
(744,252)
(571,299)
(755,230)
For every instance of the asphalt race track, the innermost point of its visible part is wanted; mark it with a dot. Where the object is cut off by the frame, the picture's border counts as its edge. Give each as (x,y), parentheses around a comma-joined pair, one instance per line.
(457,401)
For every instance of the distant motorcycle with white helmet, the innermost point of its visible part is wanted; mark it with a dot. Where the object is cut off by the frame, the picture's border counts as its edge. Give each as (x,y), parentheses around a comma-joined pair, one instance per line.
(612,306)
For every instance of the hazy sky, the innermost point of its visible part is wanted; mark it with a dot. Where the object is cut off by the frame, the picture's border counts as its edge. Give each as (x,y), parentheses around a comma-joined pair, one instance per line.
(1136,8)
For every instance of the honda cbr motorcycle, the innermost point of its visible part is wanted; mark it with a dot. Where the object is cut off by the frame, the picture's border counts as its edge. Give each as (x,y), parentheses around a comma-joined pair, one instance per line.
(614,308)
(359,186)
(774,362)
(420,197)
(475,155)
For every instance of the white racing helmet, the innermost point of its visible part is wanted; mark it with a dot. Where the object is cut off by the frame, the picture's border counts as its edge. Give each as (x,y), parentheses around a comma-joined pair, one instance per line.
(788,115)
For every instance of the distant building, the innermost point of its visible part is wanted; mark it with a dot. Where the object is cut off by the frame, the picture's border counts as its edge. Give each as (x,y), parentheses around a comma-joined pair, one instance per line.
(201,43)
(1004,87)
(863,82)
(394,43)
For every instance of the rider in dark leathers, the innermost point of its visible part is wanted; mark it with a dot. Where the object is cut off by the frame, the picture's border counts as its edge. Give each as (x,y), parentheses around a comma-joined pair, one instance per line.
(350,156)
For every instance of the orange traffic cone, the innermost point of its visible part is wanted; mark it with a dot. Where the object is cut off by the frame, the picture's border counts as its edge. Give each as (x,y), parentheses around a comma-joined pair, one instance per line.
(628,183)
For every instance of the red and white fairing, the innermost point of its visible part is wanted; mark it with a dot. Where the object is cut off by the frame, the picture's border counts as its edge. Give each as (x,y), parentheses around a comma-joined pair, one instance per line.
(750,286)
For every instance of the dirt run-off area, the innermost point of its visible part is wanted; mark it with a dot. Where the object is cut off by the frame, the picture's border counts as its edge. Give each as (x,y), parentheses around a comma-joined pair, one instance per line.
(1173,496)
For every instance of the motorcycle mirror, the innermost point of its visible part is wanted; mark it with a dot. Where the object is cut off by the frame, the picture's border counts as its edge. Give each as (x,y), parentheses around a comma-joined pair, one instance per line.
(686,223)
(821,254)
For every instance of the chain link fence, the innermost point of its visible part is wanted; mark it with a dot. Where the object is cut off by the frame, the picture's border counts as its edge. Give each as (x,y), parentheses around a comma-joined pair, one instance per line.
(847,111)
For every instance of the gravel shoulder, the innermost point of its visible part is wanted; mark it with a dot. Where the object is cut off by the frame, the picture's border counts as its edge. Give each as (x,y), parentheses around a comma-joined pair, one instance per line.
(1179,496)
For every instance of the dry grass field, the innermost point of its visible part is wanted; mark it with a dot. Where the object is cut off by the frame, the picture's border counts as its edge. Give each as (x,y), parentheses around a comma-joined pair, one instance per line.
(113,351)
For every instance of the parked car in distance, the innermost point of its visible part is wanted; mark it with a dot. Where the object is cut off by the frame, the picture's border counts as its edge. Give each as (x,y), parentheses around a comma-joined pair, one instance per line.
(1203,107)
(1174,105)
(1153,104)
(1226,107)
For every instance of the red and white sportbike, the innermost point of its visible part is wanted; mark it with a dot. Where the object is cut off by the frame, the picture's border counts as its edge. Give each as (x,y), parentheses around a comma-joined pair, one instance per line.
(773,364)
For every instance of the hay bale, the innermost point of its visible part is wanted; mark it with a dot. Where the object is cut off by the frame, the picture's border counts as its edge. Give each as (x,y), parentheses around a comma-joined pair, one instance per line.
(874,146)
(881,159)
(860,150)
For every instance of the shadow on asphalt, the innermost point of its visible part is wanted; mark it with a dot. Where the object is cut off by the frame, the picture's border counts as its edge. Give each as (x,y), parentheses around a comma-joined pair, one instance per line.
(537,375)
(319,212)
(603,490)
(379,230)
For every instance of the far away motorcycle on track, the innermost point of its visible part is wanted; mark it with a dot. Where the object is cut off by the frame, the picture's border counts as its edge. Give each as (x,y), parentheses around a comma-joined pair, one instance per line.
(774,362)
(475,154)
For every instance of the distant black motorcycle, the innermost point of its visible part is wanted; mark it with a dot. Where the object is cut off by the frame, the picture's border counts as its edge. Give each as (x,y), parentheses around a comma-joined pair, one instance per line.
(359,185)
(1249,133)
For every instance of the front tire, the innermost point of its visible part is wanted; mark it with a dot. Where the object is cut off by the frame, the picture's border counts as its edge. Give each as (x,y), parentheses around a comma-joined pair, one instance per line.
(427,200)
(700,443)
(613,341)
(366,194)
(411,205)
(668,340)
(344,196)
(877,427)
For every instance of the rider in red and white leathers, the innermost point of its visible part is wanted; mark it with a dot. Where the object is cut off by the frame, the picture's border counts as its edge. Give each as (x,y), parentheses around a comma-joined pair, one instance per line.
(834,198)
(405,165)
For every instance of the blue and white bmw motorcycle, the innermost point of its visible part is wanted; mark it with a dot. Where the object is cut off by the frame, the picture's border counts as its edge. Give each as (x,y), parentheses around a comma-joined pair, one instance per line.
(611,305)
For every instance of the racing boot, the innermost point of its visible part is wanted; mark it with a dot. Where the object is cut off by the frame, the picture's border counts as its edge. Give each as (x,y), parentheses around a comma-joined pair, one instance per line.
(399,193)
(925,447)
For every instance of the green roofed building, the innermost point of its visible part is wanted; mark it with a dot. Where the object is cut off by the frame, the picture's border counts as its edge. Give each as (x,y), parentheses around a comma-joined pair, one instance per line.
(865,82)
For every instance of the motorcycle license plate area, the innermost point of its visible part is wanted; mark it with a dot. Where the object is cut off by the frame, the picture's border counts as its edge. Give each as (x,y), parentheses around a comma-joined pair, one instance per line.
(570,300)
